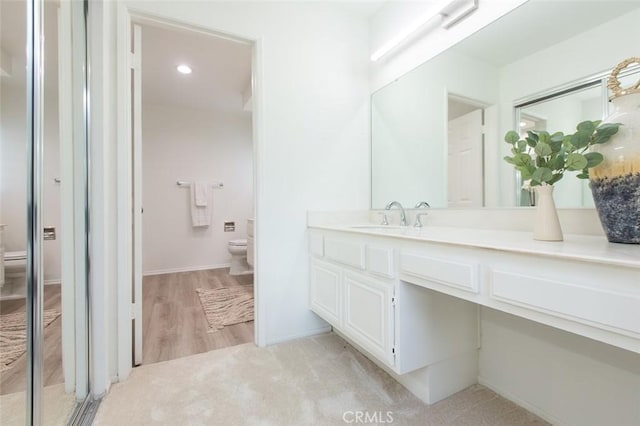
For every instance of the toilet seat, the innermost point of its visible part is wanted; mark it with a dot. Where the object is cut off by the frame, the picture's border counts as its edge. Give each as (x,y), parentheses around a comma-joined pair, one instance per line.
(238,243)
(15,255)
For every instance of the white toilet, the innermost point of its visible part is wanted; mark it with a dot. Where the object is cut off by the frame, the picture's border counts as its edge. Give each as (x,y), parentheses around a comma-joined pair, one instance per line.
(15,268)
(238,250)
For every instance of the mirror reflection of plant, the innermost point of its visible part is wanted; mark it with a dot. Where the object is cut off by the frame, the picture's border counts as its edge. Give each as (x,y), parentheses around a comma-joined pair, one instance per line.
(542,158)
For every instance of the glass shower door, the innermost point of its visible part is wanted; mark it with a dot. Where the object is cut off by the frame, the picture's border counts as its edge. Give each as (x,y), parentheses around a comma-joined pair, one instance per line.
(43,207)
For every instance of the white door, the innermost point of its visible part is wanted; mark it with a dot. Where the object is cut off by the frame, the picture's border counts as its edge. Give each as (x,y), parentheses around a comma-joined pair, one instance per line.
(466,176)
(136,143)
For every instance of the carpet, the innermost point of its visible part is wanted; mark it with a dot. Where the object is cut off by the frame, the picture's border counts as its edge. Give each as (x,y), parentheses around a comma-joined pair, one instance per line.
(317,381)
(13,335)
(226,305)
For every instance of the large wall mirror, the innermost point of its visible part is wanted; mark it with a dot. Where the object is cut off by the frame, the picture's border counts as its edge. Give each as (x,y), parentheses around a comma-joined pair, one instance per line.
(437,132)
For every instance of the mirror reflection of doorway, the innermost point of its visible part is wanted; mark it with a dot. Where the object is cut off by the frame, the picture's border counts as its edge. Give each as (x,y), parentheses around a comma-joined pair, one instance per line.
(466,134)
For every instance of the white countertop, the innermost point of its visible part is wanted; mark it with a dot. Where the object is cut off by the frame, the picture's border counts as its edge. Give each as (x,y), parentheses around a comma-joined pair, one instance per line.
(575,247)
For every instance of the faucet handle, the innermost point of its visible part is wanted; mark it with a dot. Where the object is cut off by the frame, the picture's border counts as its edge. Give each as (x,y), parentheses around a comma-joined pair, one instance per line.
(385,221)
(418,223)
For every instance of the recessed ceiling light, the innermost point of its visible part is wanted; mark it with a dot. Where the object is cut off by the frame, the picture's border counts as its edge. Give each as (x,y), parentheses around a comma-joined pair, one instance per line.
(184,69)
(523,123)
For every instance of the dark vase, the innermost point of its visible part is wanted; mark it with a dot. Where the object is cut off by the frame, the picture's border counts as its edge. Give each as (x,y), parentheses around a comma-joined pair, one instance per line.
(615,183)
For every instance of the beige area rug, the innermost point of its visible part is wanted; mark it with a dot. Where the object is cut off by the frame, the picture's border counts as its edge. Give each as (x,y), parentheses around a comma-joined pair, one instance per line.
(58,406)
(320,380)
(13,335)
(226,305)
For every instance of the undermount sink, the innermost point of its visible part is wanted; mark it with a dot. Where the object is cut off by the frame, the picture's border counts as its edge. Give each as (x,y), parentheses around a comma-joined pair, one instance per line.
(377,227)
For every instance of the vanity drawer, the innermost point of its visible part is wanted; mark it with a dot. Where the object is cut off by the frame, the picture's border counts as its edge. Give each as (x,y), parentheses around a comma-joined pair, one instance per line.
(380,261)
(456,274)
(568,300)
(349,253)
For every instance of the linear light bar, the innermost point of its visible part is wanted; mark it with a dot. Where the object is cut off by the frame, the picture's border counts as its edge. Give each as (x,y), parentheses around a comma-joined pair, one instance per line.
(450,12)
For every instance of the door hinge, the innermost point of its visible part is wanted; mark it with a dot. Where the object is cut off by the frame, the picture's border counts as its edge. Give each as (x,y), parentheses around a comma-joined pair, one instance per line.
(393,352)
(393,301)
(134,61)
(133,311)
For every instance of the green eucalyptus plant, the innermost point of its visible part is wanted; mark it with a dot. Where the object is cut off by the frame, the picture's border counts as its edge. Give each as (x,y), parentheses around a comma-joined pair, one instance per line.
(542,158)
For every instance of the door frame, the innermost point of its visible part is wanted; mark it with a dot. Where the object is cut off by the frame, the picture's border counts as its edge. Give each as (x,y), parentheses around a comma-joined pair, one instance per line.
(124,186)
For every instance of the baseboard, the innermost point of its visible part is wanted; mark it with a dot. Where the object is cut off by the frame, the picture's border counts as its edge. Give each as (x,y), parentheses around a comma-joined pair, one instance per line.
(12,297)
(530,407)
(16,296)
(185,269)
(306,333)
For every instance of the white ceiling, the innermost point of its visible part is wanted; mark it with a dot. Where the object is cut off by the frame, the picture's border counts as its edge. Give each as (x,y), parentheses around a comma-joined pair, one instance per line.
(221,69)
(537,25)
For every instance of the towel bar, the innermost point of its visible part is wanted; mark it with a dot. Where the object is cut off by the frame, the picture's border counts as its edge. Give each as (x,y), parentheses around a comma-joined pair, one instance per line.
(187,183)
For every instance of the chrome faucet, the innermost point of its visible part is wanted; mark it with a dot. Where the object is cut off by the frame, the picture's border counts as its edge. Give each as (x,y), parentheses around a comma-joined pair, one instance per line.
(420,204)
(403,217)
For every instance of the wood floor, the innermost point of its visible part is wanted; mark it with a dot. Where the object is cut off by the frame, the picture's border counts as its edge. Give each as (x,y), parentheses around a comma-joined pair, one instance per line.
(174,324)
(15,379)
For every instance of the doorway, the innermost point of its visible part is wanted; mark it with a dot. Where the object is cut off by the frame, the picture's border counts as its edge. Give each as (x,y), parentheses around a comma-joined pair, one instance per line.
(466,123)
(194,185)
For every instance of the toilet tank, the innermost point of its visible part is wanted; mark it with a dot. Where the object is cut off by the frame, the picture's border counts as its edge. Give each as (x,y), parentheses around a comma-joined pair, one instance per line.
(250,242)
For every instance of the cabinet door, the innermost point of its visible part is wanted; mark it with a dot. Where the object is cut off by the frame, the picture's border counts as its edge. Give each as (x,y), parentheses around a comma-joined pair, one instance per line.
(325,294)
(368,316)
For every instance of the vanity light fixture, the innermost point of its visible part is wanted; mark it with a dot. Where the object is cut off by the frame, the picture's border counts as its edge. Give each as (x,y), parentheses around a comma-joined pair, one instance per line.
(449,12)
(184,69)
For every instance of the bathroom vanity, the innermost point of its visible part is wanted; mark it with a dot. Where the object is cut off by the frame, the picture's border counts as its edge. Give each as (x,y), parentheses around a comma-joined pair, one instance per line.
(409,297)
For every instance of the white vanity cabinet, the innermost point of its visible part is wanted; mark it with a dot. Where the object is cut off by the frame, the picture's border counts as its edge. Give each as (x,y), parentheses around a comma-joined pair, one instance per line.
(354,286)
(415,302)
(583,285)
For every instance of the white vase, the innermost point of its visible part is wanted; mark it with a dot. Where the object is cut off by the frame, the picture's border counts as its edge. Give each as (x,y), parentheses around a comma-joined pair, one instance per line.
(547,225)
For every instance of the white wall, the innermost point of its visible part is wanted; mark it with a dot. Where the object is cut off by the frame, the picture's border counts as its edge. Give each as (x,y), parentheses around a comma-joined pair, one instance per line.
(13,182)
(312,149)
(571,380)
(198,146)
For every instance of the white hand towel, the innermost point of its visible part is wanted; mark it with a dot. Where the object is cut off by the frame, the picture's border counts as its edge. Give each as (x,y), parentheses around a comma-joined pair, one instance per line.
(201,193)
(200,215)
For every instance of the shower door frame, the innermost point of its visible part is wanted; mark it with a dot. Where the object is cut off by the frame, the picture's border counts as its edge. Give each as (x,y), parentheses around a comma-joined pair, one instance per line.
(74,123)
